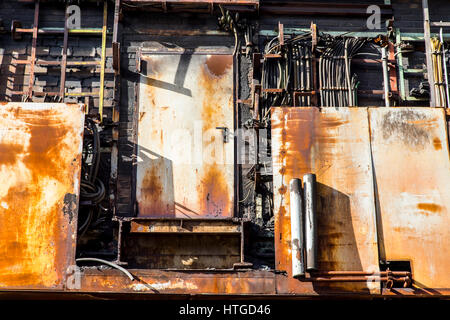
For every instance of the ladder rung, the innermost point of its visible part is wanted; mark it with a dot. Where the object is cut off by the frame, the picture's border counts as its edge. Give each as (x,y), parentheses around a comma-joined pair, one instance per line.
(83,63)
(38,94)
(61,31)
(57,63)
(81,94)
(68,94)
(440,24)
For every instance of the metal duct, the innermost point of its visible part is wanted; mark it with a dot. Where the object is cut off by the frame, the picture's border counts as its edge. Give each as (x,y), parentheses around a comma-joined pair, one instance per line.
(386,83)
(297,242)
(309,187)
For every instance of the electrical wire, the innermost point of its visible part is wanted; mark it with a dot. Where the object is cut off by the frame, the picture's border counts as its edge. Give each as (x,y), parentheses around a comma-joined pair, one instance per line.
(337,83)
(92,189)
(109,263)
(289,72)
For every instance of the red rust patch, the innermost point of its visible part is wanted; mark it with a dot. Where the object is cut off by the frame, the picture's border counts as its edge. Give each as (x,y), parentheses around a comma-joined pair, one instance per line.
(218,64)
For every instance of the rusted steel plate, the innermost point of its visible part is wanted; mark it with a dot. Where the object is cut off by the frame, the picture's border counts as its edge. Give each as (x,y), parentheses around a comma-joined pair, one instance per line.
(412,167)
(169,282)
(40,154)
(185,168)
(223,2)
(334,145)
(181,251)
(187,226)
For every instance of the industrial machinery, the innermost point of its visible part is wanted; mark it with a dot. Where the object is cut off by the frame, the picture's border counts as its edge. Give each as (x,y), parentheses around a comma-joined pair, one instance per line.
(223,147)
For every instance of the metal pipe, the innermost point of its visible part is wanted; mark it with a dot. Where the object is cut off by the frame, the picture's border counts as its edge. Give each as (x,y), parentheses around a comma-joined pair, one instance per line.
(406,280)
(362,273)
(444,66)
(428,54)
(109,263)
(309,187)
(385,76)
(102,71)
(356,279)
(297,243)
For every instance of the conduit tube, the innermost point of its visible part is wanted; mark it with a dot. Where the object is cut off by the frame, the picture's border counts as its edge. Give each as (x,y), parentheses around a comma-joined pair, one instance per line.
(444,66)
(297,242)
(309,193)
(385,76)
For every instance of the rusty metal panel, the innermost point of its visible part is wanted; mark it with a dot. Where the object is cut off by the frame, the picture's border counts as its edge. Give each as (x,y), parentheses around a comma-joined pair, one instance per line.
(185,164)
(40,155)
(333,144)
(171,282)
(411,161)
(186,251)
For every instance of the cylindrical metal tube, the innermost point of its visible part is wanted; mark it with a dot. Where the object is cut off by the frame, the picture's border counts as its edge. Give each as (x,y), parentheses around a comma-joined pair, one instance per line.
(297,244)
(386,83)
(362,273)
(309,187)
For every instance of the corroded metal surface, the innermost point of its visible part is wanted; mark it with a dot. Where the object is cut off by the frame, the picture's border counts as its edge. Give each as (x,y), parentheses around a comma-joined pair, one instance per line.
(189,283)
(412,170)
(181,250)
(185,168)
(334,145)
(40,154)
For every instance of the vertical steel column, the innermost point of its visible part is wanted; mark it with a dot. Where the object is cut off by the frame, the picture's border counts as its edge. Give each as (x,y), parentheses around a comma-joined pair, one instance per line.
(309,194)
(115,113)
(444,66)
(314,40)
(385,76)
(64,58)
(401,70)
(426,35)
(115,42)
(102,72)
(297,239)
(33,48)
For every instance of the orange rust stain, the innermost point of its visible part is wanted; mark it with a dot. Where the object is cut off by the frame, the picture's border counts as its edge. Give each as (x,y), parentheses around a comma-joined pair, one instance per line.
(31,213)
(333,122)
(437,144)
(45,143)
(210,109)
(218,64)
(403,229)
(431,207)
(153,202)
(213,87)
(141,115)
(213,193)
(9,153)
